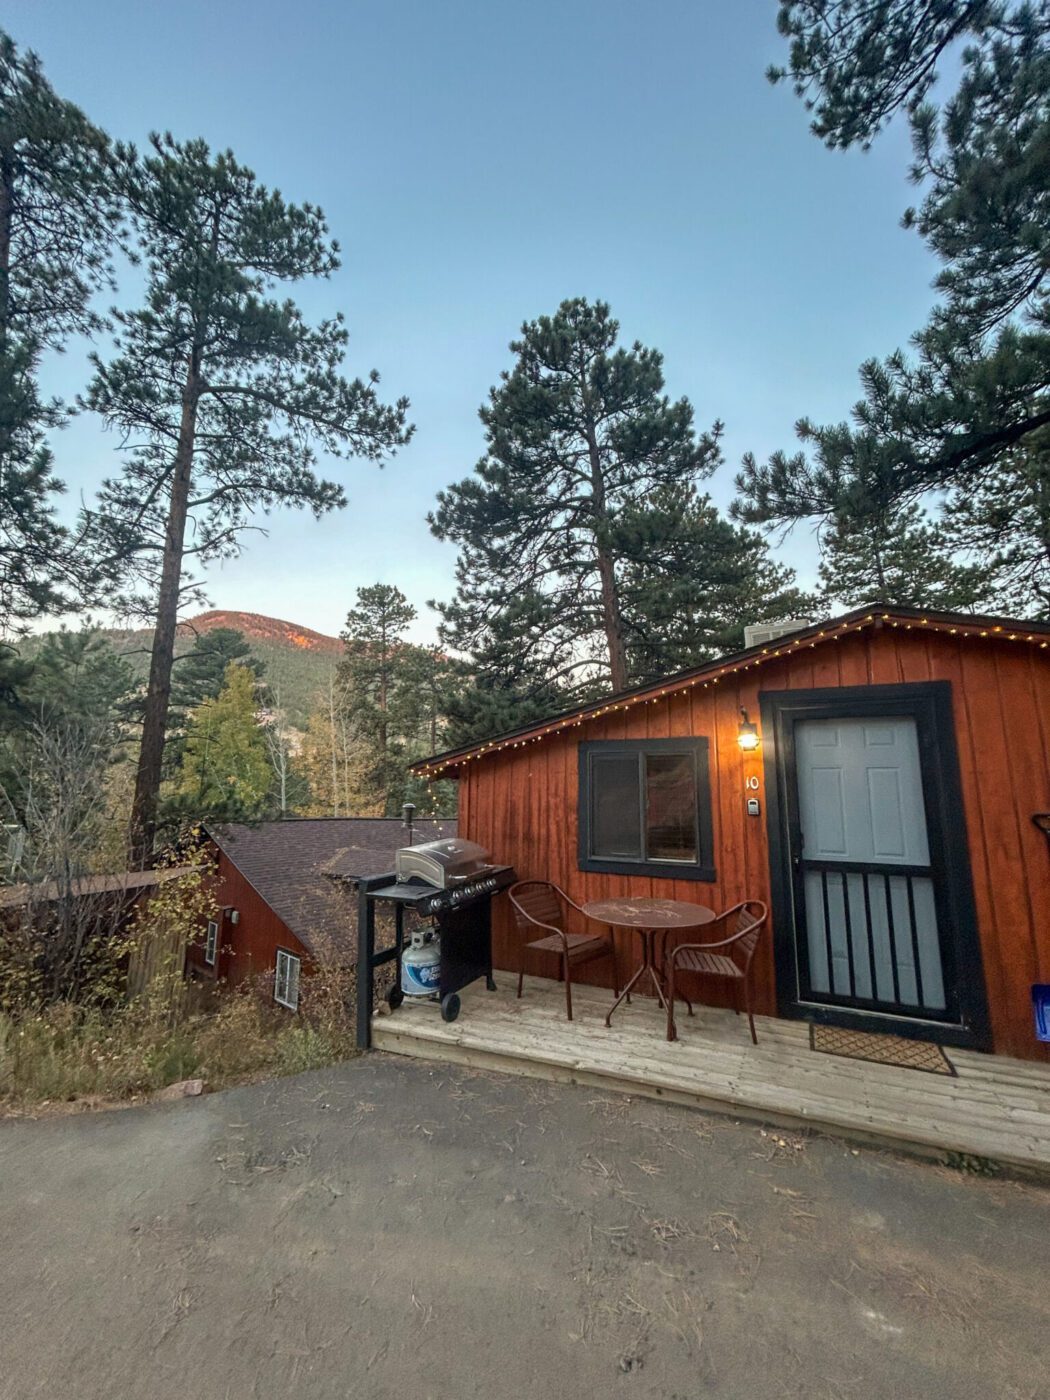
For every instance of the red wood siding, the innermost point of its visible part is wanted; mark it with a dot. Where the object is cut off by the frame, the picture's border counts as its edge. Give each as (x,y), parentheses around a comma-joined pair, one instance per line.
(247,949)
(521,804)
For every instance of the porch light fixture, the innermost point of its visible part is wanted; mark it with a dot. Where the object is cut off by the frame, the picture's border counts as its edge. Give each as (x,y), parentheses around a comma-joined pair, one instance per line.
(747,733)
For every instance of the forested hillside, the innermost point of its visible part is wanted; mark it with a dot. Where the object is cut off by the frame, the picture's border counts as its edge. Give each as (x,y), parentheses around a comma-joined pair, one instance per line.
(297,660)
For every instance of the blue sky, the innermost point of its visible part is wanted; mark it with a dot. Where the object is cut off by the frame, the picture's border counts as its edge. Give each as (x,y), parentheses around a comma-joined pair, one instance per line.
(480,161)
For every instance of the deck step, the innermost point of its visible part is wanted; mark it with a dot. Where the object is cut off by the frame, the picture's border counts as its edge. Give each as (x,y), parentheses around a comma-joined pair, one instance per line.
(996,1108)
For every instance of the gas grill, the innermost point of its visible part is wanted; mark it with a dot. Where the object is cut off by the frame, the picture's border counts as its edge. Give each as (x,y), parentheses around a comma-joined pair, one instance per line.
(451,882)
(444,875)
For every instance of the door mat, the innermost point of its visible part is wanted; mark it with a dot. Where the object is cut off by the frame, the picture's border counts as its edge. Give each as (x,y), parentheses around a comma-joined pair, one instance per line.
(880,1049)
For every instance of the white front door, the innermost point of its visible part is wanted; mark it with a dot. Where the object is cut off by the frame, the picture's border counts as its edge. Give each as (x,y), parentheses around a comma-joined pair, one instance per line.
(866,906)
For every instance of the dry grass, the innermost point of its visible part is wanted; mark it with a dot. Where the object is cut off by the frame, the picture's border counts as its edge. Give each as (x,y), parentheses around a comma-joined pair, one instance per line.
(69,1054)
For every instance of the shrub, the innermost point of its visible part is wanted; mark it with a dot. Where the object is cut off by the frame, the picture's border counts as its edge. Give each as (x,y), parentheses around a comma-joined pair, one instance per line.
(65,1053)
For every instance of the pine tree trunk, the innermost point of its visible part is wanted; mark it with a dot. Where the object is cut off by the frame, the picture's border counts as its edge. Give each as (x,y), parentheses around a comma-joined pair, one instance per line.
(880,577)
(612,623)
(1041,496)
(7,202)
(158,692)
(331,740)
(611,619)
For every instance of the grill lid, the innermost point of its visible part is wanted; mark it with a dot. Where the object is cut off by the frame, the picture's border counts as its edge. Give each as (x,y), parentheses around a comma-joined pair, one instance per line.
(441,863)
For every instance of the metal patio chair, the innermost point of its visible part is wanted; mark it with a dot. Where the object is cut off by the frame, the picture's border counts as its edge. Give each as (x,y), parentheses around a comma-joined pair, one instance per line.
(729,958)
(540,904)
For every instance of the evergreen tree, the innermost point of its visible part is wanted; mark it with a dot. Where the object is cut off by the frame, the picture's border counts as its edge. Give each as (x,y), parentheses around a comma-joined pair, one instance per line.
(1004,522)
(433,683)
(578,431)
(15,674)
(225,769)
(507,681)
(692,581)
(978,384)
(900,559)
(588,560)
(429,679)
(81,676)
(57,218)
(376,675)
(226,393)
(200,673)
(71,698)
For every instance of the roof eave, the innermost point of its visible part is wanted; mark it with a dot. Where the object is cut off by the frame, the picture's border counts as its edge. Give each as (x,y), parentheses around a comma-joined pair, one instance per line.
(1005,628)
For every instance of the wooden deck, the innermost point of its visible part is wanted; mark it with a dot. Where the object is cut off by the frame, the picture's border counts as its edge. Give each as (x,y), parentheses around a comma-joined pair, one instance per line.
(996,1108)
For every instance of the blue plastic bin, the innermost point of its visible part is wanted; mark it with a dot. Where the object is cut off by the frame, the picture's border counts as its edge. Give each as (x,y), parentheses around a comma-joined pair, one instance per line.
(1041,1007)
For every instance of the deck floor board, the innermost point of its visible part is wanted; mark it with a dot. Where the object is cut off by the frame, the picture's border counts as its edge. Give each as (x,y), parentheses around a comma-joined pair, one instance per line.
(996,1108)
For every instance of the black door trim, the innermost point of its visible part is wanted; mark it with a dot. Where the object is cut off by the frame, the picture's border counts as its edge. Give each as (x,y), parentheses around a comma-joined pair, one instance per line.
(930,704)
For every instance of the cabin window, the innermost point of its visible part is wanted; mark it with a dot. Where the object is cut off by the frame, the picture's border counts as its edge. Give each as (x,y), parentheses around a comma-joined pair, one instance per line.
(645,808)
(211,943)
(286,980)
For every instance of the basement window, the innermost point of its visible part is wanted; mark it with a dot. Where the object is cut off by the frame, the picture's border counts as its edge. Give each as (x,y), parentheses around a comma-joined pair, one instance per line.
(286,980)
(645,808)
(211,943)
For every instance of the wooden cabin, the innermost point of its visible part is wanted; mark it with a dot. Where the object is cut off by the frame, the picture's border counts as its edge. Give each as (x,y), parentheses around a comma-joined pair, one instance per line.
(286,898)
(883,810)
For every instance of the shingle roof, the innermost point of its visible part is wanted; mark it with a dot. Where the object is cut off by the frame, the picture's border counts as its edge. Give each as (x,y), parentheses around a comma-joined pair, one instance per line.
(291,864)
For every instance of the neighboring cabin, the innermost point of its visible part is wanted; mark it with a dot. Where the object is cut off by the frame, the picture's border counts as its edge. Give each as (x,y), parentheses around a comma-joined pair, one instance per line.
(287,898)
(883,809)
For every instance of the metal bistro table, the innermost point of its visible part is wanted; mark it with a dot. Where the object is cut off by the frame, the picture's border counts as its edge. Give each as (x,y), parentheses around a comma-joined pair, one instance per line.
(649,917)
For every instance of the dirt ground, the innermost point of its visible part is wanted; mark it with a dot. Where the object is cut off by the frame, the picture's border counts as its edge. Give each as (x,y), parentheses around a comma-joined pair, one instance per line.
(390,1228)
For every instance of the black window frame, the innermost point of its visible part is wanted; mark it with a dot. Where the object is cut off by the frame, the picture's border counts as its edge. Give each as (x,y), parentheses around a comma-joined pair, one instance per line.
(703,868)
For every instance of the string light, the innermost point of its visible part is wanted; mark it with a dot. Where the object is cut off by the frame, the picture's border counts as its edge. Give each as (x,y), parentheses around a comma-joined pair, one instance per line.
(576,721)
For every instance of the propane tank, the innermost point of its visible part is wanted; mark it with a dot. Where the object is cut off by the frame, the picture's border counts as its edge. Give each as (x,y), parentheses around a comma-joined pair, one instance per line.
(421,965)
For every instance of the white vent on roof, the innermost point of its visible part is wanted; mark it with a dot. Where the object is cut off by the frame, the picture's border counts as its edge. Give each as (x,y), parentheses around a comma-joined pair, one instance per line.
(757,634)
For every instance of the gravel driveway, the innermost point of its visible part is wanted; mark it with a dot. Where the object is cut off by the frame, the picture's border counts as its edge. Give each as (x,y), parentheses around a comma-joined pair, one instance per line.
(386,1228)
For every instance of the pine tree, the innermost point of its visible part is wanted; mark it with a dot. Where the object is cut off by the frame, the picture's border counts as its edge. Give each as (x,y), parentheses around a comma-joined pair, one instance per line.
(200,673)
(899,559)
(225,770)
(978,383)
(376,674)
(1005,523)
(81,675)
(692,581)
(67,704)
(227,394)
(588,559)
(58,215)
(576,432)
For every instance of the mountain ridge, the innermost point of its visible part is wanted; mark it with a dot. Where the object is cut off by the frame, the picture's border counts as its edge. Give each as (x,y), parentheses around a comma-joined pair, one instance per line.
(261,627)
(299,661)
